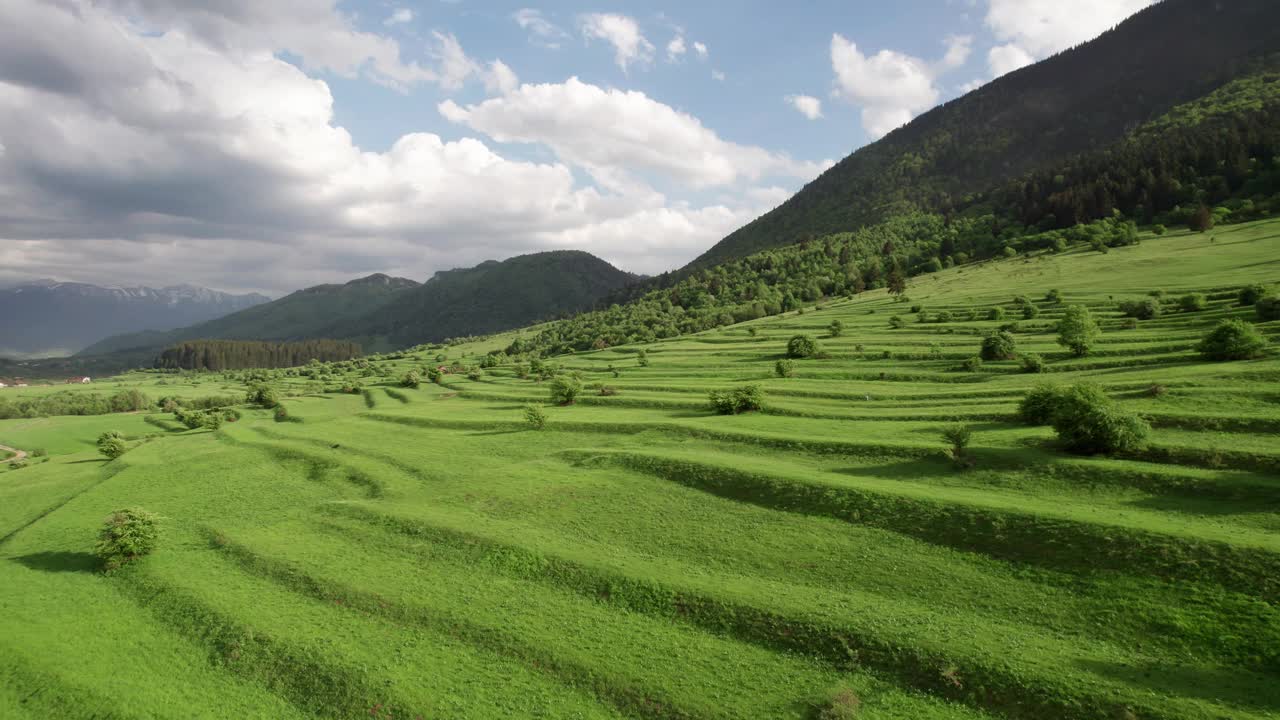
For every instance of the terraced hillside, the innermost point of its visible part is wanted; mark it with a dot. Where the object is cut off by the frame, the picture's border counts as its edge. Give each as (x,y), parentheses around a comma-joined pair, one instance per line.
(400,552)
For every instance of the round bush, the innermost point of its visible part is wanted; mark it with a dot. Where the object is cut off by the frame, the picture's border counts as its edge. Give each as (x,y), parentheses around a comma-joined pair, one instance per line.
(1088,422)
(802,346)
(1141,309)
(1037,405)
(411,379)
(126,535)
(565,389)
(1191,302)
(1233,340)
(1267,308)
(1251,294)
(1077,330)
(535,417)
(784,369)
(112,445)
(998,345)
(1032,363)
(973,364)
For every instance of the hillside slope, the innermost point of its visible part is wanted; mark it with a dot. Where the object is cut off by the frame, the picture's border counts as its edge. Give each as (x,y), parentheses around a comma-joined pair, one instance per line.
(489,297)
(48,317)
(1079,100)
(300,315)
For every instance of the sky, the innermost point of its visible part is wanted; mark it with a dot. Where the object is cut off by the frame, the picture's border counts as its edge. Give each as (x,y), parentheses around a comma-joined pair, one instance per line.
(267,146)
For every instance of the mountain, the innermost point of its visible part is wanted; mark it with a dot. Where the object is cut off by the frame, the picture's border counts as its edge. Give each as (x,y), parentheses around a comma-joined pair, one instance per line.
(47,317)
(300,315)
(490,297)
(1080,100)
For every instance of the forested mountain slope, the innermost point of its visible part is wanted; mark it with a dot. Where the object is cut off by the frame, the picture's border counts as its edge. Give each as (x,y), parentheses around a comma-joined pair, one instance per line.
(1077,101)
(489,297)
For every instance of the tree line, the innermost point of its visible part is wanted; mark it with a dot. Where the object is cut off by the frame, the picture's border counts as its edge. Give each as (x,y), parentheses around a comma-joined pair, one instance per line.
(218,355)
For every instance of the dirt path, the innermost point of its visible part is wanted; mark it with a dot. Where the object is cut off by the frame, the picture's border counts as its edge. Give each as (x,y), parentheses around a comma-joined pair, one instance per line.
(17,454)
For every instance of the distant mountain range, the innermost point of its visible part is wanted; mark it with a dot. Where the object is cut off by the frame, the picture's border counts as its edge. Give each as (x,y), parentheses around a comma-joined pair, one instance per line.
(47,317)
(384,312)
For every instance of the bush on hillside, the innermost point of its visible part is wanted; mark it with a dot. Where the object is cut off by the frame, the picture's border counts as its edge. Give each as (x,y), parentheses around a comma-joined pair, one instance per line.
(1088,422)
(836,328)
(1053,296)
(957,436)
(435,375)
(642,358)
(565,389)
(535,417)
(973,364)
(995,313)
(1030,311)
(1037,405)
(112,444)
(1032,363)
(411,379)
(1233,340)
(1191,302)
(802,346)
(841,704)
(1077,330)
(281,414)
(1145,309)
(264,395)
(126,536)
(784,369)
(897,323)
(998,345)
(739,400)
(1251,294)
(1267,308)
(608,391)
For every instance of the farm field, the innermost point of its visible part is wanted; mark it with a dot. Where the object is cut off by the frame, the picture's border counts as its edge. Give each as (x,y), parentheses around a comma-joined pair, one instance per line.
(424,552)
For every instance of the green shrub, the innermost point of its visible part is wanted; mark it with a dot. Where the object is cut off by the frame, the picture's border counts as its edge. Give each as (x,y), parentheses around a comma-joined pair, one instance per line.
(211,420)
(1159,229)
(281,414)
(1032,363)
(1251,294)
(998,345)
(435,375)
(973,364)
(1030,311)
(535,417)
(1037,405)
(264,395)
(1053,296)
(1267,308)
(957,436)
(608,391)
(836,328)
(565,389)
(784,368)
(1233,340)
(474,374)
(1145,309)
(1077,330)
(521,370)
(642,357)
(112,444)
(802,346)
(411,379)
(1088,422)
(995,313)
(897,323)
(739,400)
(945,316)
(1191,302)
(126,535)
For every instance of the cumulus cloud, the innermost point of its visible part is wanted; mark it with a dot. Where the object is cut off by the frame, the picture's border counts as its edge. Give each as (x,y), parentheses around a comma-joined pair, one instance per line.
(613,134)
(1031,30)
(701,49)
(542,32)
(138,156)
(315,31)
(500,79)
(623,33)
(807,105)
(717,75)
(890,87)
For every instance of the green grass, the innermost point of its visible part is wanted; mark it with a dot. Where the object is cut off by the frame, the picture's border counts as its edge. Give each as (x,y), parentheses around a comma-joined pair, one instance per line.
(422,552)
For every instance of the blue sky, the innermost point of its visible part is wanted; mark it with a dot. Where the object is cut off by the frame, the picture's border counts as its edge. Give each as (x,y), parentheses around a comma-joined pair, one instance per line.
(267,146)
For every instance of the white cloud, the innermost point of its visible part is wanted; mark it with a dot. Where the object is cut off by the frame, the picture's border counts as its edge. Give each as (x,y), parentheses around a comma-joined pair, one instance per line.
(399,17)
(958,48)
(614,135)
(455,67)
(807,105)
(629,44)
(314,30)
(890,87)
(1003,59)
(500,79)
(1030,30)
(972,85)
(717,75)
(135,156)
(676,48)
(542,32)
(701,49)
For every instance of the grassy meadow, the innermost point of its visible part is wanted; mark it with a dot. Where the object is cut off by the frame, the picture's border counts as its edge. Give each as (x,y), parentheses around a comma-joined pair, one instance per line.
(425,553)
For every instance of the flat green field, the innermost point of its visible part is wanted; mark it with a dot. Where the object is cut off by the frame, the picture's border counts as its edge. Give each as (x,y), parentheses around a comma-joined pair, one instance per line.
(406,553)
